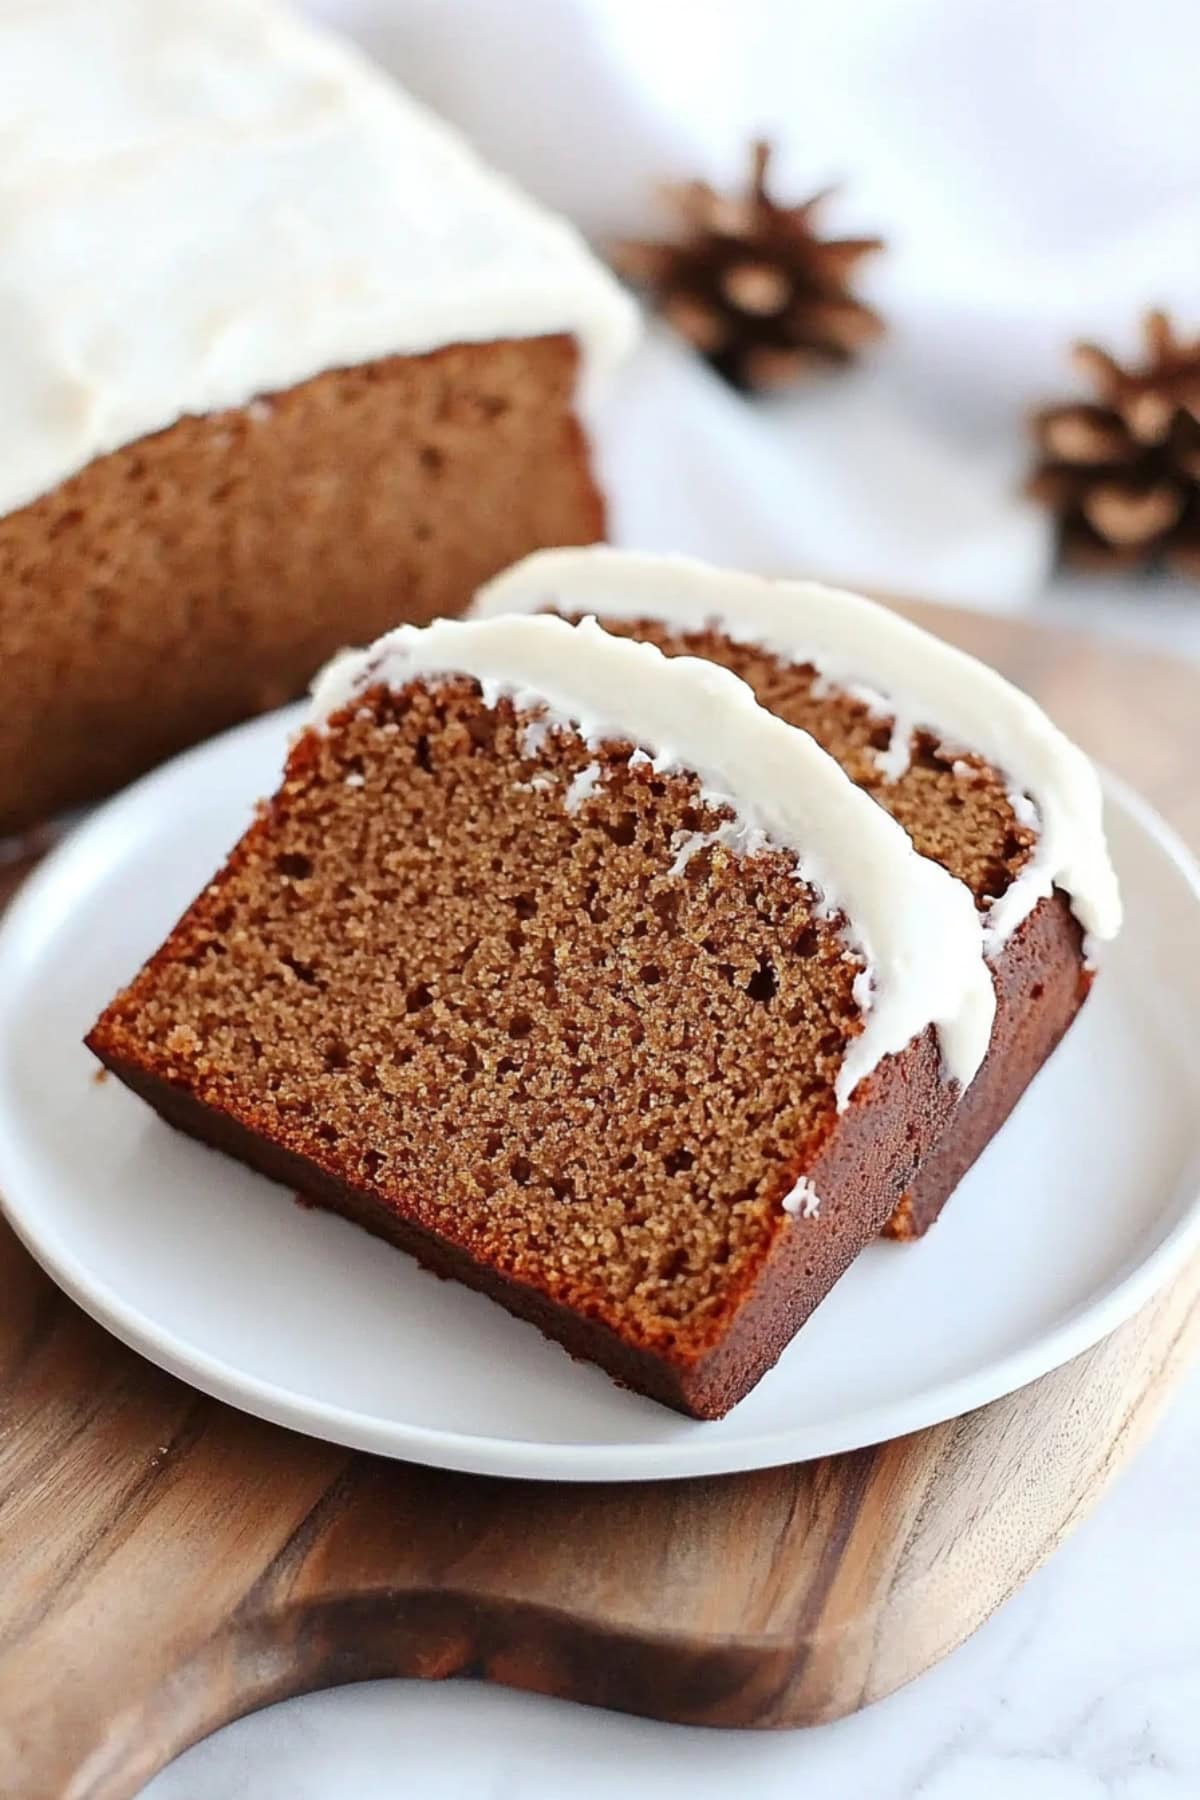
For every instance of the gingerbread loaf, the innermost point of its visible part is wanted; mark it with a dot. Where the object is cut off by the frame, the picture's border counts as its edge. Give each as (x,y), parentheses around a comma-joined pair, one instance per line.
(972,768)
(575,973)
(281,362)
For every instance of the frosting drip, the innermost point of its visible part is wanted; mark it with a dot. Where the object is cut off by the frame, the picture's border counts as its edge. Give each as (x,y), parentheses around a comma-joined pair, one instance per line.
(867,650)
(204,202)
(803,1202)
(915,926)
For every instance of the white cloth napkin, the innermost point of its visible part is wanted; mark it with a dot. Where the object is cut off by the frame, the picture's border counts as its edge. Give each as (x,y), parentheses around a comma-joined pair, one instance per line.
(1033,164)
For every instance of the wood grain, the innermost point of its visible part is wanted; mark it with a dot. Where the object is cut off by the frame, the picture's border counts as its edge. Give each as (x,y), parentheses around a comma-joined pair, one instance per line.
(167,1564)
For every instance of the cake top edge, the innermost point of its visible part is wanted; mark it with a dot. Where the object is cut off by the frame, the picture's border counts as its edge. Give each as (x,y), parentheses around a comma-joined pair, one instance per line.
(857,643)
(202,205)
(916,927)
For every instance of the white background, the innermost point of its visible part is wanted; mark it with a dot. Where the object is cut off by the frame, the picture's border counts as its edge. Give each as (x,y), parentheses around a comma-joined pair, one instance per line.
(1035,165)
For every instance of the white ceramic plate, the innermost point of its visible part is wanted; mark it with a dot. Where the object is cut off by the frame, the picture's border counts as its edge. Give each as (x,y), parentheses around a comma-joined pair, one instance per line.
(1085,1203)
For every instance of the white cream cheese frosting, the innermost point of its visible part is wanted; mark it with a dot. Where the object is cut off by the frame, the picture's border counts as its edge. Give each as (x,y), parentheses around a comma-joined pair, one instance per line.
(203,201)
(859,646)
(915,927)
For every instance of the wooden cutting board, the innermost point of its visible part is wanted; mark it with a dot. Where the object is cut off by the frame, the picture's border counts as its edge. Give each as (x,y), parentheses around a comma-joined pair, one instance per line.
(167,1564)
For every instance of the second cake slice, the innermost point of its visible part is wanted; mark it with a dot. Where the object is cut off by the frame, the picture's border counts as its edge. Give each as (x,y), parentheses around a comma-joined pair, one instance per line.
(972,768)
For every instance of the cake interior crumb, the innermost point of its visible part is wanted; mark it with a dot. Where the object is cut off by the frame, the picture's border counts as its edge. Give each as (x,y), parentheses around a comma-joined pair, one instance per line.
(954,805)
(505,1016)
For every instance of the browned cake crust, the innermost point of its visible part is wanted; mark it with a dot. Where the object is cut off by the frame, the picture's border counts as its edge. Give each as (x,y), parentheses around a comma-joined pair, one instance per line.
(1041,983)
(204,573)
(508,1034)
(855,1177)
(956,809)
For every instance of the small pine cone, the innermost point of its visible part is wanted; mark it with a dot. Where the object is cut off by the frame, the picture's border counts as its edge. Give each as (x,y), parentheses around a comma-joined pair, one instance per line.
(1122,472)
(752,287)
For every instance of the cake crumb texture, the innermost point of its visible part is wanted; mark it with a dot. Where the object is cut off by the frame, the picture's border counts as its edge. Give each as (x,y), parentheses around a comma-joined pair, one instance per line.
(957,809)
(954,805)
(205,573)
(508,1017)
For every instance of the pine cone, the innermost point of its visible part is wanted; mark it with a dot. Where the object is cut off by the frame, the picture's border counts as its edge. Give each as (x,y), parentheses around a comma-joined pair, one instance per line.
(1123,472)
(753,289)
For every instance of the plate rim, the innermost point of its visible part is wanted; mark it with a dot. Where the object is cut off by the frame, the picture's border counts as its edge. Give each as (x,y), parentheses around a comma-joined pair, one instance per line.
(689,1456)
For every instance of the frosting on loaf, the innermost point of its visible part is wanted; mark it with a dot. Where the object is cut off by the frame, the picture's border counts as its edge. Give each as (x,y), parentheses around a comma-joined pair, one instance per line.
(204,201)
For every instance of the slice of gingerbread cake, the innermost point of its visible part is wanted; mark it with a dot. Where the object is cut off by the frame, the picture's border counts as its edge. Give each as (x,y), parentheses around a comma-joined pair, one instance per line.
(282,362)
(574,972)
(969,765)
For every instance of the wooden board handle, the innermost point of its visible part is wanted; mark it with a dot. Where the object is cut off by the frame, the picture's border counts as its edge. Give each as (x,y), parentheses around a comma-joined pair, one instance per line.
(171,1564)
